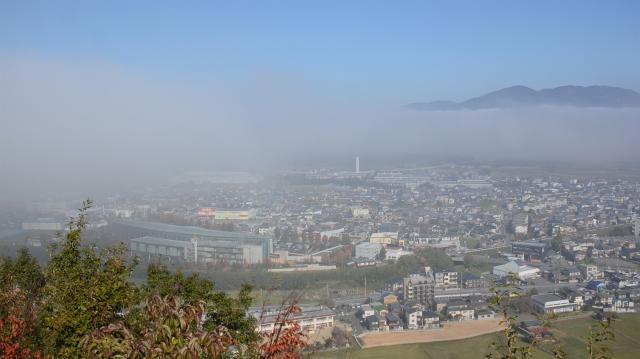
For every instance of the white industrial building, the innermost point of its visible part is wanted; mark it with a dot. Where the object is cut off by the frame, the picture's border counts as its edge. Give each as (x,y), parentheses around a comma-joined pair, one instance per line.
(193,244)
(43,224)
(396,253)
(309,319)
(368,250)
(551,303)
(517,269)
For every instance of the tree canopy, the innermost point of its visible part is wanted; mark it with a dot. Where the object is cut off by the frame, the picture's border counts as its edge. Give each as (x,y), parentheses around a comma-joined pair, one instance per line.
(84,304)
(85,289)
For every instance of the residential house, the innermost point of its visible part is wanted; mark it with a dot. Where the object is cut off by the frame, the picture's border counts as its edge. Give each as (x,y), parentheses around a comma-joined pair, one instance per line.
(366,311)
(393,321)
(430,319)
(482,314)
(372,322)
(413,318)
(459,309)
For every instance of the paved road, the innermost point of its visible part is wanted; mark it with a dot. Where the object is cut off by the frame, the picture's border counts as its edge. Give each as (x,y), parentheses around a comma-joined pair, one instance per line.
(356,326)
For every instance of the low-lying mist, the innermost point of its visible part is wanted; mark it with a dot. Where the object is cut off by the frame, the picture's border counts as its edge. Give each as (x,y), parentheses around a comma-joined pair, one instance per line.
(84,127)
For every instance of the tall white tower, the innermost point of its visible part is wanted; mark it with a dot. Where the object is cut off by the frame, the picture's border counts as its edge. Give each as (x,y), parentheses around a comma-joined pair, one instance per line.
(357,164)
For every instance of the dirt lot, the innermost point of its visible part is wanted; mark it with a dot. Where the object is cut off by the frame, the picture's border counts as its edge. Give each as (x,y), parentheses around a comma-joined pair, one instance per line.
(319,335)
(452,331)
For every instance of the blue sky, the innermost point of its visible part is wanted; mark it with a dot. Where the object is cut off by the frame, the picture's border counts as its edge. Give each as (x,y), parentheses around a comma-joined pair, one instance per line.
(397,51)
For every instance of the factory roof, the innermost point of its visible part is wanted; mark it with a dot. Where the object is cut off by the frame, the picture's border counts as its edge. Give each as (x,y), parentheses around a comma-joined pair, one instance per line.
(160,241)
(178,243)
(188,230)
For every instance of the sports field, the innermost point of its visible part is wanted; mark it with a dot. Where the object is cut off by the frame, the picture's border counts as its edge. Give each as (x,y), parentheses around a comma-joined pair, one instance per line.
(451,331)
(571,336)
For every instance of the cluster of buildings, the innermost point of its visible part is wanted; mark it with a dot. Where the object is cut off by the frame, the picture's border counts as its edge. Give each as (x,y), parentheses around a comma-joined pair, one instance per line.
(425,301)
(428,299)
(570,244)
(383,215)
(340,217)
(549,282)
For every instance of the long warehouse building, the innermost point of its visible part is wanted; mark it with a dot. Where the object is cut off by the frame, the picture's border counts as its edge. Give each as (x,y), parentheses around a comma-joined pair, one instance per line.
(193,244)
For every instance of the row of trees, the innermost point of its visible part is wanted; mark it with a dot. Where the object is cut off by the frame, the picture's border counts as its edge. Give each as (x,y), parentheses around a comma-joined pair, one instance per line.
(83,304)
(348,277)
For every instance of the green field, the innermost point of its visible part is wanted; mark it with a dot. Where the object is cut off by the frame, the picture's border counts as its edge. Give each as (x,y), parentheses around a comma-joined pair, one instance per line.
(570,334)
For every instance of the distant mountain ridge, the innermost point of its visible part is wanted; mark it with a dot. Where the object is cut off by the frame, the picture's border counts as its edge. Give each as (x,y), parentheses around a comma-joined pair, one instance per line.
(522,96)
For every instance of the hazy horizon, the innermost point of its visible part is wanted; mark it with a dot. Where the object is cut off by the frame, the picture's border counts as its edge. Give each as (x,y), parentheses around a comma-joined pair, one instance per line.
(90,100)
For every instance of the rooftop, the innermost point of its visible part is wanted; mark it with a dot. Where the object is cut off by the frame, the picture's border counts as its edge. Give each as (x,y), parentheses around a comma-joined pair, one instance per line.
(543,298)
(187,230)
(530,243)
(305,314)
(369,245)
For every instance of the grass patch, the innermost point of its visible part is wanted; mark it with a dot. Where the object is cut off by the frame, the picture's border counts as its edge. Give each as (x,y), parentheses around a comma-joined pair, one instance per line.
(458,349)
(570,334)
